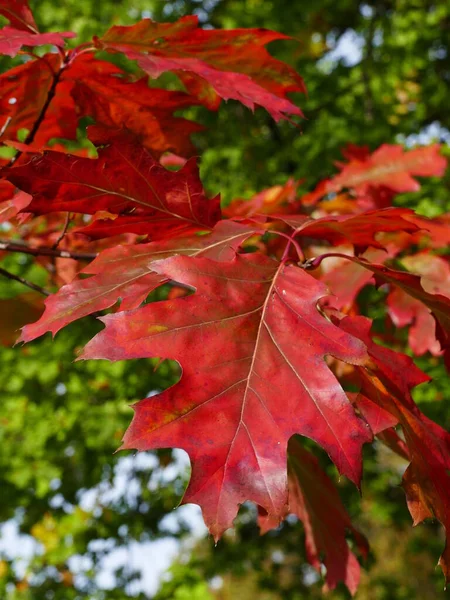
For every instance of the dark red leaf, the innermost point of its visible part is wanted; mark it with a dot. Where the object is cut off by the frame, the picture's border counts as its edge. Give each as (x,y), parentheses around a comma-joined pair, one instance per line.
(125,178)
(19,14)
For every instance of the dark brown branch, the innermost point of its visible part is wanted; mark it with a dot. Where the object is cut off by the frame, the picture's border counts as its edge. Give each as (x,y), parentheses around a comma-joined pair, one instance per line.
(45,251)
(50,95)
(28,284)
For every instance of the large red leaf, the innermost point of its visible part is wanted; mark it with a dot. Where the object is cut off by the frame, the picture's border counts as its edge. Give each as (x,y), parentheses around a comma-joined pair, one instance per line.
(234,63)
(251,344)
(315,501)
(19,14)
(125,178)
(388,167)
(388,383)
(12,40)
(125,272)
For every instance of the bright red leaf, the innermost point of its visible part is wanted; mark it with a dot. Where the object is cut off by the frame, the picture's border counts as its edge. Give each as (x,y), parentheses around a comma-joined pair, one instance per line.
(359,230)
(234,63)
(417,287)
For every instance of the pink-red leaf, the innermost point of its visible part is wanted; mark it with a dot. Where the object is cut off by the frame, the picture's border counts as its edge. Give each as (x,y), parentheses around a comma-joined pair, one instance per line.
(12,40)
(125,272)
(17,202)
(419,288)
(388,167)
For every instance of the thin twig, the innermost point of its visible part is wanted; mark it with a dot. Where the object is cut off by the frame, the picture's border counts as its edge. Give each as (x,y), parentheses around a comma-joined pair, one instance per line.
(45,251)
(29,284)
(63,232)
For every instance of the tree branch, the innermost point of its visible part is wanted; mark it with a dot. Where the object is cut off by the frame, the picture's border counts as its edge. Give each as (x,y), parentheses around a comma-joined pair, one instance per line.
(29,284)
(50,95)
(45,251)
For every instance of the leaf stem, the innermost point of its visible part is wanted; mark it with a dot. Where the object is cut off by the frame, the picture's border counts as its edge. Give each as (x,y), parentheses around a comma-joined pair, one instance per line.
(296,245)
(63,232)
(29,284)
(314,263)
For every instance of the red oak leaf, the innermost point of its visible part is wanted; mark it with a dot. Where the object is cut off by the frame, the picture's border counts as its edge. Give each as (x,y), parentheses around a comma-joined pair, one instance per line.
(145,112)
(417,287)
(125,272)
(276,199)
(234,63)
(96,88)
(315,501)
(388,167)
(388,384)
(12,40)
(405,310)
(252,334)
(15,202)
(346,279)
(359,230)
(436,231)
(377,418)
(19,14)
(124,178)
